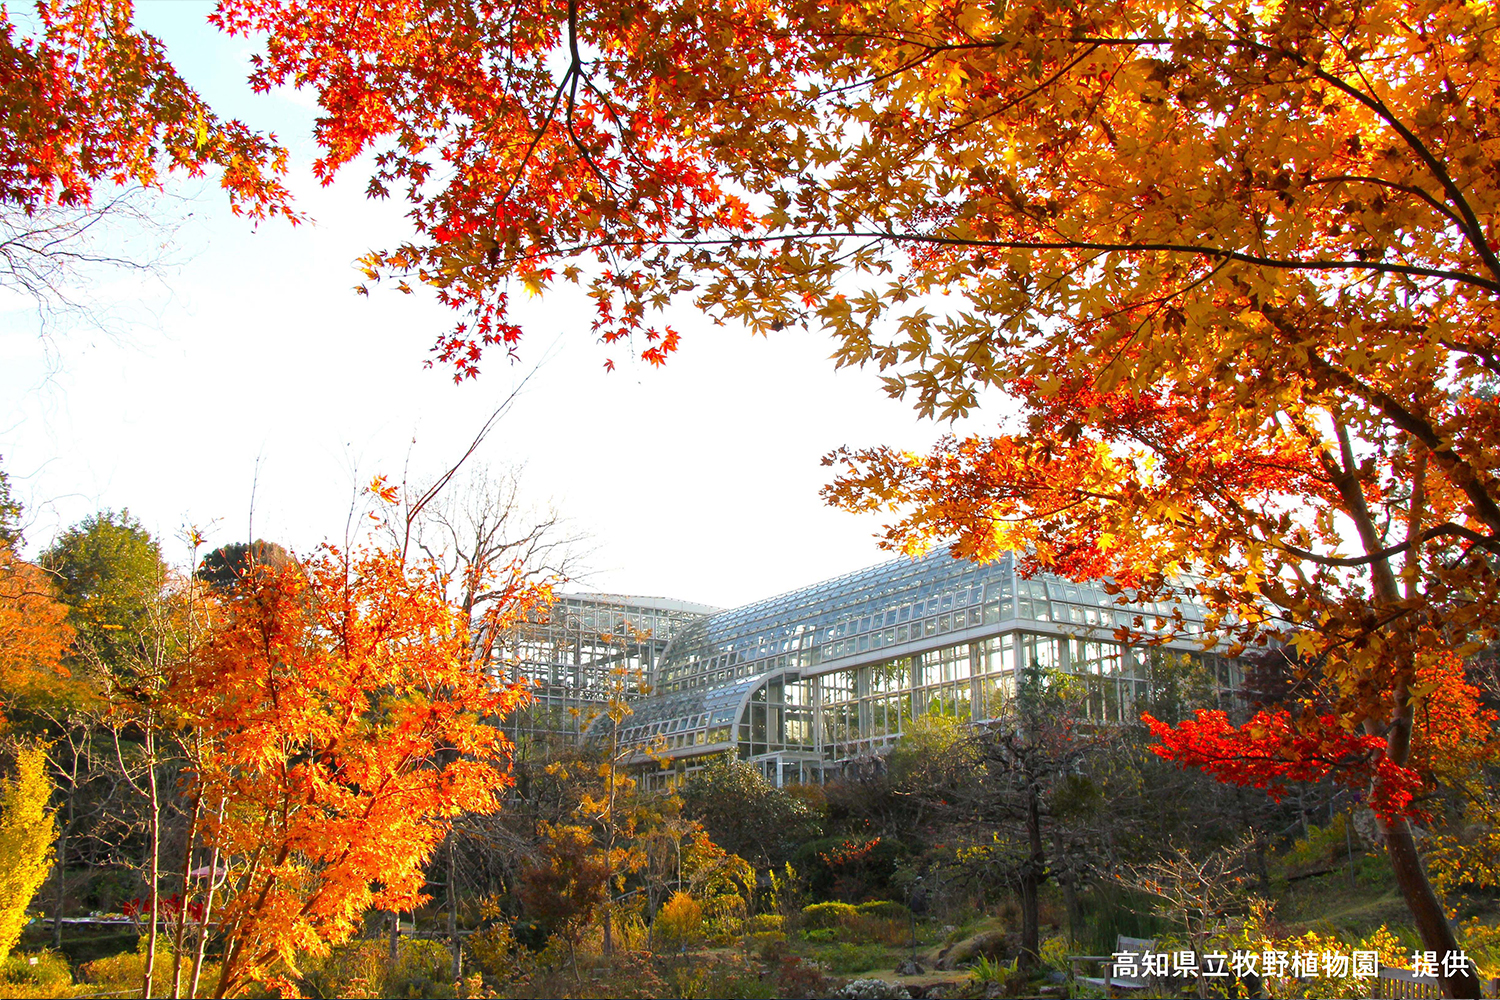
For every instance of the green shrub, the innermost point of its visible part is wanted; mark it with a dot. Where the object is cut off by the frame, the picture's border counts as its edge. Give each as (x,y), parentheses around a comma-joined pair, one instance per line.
(821,935)
(723,918)
(768,945)
(827,914)
(1055,952)
(362,969)
(1321,846)
(423,969)
(1011,980)
(987,970)
(714,977)
(892,931)
(848,959)
(495,950)
(885,909)
(356,970)
(766,922)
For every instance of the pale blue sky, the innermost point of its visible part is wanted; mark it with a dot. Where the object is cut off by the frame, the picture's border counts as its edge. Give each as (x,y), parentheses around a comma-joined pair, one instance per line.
(699,480)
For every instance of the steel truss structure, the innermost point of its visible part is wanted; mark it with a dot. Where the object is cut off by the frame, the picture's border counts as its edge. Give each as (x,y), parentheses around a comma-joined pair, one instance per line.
(810,680)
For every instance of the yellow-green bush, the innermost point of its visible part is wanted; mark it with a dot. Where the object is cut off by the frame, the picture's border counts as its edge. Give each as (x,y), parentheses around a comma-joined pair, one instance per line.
(495,950)
(766,922)
(1256,934)
(363,969)
(424,969)
(1481,942)
(27,831)
(848,959)
(628,932)
(827,914)
(356,970)
(43,974)
(1321,846)
(723,918)
(126,971)
(1055,952)
(892,931)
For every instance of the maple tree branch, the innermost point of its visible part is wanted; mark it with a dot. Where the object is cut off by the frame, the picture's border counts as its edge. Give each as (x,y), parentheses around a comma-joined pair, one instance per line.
(1448,529)
(607,186)
(1466,218)
(1216,253)
(1414,510)
(1157,305)
(1487,358)
(953,129)
(1471,226)
(1213,253)
(1346,481)
(1458,469)
(1412,189)
(536,140)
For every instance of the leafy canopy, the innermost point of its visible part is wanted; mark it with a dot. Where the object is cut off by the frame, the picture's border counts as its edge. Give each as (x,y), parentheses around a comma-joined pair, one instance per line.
(109,571)
(87,98)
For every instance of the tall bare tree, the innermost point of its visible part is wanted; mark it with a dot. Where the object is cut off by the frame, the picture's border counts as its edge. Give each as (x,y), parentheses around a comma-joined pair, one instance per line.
(486,537)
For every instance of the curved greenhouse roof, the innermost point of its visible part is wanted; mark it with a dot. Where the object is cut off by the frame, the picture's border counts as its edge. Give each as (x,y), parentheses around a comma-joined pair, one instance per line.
(837,669)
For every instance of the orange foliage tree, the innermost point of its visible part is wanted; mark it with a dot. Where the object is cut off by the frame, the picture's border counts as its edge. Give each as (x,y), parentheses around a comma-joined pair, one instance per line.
(34,630)
(335,723)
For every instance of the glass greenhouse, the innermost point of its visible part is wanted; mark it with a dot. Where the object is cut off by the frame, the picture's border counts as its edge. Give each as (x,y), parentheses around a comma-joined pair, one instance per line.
(805,681)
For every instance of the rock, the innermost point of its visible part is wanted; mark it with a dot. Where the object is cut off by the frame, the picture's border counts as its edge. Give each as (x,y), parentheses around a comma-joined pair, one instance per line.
(938,991)
(872,989)
(1366,828)
(909,967)
(994,945)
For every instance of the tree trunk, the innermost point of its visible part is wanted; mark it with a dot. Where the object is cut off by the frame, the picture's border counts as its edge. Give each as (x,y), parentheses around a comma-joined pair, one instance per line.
(1432,923)
(184,894)
(62,870)
(395,936)
(208,903)
(453,942)
(1071,903)
(1031,881)
(154,862)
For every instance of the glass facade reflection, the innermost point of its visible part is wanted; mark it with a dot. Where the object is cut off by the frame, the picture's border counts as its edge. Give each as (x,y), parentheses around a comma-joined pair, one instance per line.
(571,651)
(809,679)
